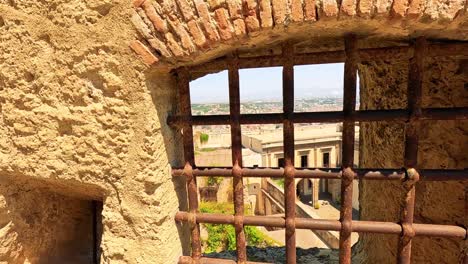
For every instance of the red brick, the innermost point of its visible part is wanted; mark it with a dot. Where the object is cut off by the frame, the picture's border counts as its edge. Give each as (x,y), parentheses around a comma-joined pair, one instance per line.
(266,18)
(249,6)
(297,13)
(348,8)
(186,9)
(197,34)
(158,23)
(415,9)
(365,8)
(224,26)
(250,12)
(328,9)
(252,24)
(138,3)
(382,7)
(235,9)
(169,8)
(144,52)
(141,26)
(239,27)
(309,10)
(215,4)
(280,9)
(183,35)
(399,8)
(159,46)
(174,46)
(206,21)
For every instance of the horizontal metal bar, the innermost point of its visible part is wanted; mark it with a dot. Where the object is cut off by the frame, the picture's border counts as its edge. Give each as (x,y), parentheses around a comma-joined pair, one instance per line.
(369,54)
(331,225)
(330,173)
(456,113)
(205,260)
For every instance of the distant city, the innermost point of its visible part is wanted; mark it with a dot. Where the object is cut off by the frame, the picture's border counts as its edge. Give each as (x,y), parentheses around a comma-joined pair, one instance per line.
(253,107)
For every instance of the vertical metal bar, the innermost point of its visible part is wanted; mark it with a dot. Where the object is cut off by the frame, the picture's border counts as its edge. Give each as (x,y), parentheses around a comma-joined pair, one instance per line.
(288,148)
(349,105)
(414,94)
(95,231)
(464,256)
(186,112)
(236,146)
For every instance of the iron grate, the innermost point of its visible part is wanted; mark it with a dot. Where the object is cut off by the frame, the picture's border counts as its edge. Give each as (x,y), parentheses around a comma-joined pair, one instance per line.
(409,175)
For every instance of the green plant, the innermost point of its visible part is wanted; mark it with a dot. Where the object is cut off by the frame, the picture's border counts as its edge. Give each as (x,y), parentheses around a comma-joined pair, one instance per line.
(214,181)
(280,182)
(223,237)
(204,137)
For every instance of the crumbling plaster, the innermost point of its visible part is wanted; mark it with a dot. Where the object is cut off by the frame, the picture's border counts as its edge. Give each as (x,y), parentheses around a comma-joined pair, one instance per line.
(82,116)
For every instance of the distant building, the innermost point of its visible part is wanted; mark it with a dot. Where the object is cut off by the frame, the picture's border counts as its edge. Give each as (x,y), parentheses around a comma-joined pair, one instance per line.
(317,146)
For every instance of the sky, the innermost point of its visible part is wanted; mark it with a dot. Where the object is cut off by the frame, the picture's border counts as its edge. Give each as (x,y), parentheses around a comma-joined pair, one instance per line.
(264,84)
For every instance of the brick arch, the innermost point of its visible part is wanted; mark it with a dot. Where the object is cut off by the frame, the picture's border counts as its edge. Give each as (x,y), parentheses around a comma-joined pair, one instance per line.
(176,32)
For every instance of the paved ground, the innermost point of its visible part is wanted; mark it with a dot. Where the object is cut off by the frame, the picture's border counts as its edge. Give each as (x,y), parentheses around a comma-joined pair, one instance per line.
(304,238)
(328,211)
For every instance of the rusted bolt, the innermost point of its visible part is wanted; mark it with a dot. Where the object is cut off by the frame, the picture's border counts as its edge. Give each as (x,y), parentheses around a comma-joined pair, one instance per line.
(188,170)
(347,175)
(238,222)
(290,223)
(347,226)
(289,172)
(411,177)
(192,220)
(408,231)
(236,171)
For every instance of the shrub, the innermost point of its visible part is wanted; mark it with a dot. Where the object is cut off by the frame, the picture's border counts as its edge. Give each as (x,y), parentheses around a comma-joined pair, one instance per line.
(214,181)
(204,138)
(223,237)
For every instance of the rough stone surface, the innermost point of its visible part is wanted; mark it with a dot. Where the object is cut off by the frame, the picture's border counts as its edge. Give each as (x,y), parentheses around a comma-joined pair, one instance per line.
(82,118)
(278,255)
(442,146)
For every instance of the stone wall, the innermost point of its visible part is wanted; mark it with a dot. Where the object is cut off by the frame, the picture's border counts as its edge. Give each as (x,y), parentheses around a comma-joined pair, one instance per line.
(82,116)
(442,145)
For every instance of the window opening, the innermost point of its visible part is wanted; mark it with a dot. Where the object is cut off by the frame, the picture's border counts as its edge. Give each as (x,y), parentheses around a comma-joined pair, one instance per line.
(408,176)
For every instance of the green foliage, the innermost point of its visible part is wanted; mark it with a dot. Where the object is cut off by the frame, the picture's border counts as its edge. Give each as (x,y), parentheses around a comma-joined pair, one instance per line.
(204,138)
(214,181)
(207,149)
(223,237)
(279,181)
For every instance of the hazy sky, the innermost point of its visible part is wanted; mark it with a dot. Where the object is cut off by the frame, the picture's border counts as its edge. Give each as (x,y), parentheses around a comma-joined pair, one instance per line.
(261,84)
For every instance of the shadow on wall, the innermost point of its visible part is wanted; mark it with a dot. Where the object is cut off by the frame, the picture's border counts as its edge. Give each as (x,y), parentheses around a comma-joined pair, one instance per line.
(163,91)
(40,226)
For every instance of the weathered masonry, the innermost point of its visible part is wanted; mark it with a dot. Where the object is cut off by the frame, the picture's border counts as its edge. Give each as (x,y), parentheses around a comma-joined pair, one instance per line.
(86,89)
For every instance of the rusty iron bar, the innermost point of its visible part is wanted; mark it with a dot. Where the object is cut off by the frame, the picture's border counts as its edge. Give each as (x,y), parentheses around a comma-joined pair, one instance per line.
(185,109)
(464,256)
(330,173)
(205,260)
(349,106)
(236,146)
(368,54)
(330,225)
(414,98)
(396,115)
(288,150)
